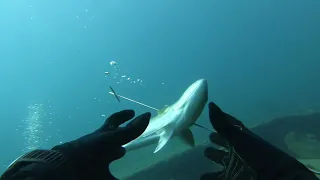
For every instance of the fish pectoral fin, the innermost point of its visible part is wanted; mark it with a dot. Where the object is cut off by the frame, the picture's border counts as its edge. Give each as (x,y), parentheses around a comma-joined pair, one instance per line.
(187,137)
(164,136)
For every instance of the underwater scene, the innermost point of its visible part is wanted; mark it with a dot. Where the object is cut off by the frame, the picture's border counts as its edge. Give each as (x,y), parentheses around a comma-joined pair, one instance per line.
(67,66)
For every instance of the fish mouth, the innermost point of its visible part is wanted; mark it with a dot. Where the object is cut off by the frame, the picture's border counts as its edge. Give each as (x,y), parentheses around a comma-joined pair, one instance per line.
(200,93)
(198,89)
(202,83)
(205,82)
(201,88)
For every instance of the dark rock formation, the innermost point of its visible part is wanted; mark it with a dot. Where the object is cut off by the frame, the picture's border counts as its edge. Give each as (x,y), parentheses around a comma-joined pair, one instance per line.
(188,165)
(192,164)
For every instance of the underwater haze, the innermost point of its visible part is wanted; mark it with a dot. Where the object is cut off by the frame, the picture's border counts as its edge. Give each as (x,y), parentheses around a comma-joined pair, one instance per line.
(58,58)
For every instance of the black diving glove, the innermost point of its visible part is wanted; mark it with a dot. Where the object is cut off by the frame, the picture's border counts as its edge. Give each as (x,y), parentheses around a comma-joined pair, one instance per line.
(233,166)
(248,156)
(91,154)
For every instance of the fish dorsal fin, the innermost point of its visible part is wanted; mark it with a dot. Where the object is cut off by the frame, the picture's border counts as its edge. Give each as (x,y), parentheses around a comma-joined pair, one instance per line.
(164,136)
(187,137)
(163,110)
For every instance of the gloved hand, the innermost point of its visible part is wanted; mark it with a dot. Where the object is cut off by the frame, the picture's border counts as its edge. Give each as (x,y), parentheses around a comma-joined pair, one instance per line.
(248,156)
(233,166)
(91,154)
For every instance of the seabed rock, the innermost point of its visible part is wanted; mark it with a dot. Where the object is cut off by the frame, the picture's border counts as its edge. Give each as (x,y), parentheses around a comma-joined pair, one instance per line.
(190,164)
(297,135)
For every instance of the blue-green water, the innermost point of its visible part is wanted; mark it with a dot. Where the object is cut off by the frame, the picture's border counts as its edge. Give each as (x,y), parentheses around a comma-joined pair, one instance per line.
(261,60)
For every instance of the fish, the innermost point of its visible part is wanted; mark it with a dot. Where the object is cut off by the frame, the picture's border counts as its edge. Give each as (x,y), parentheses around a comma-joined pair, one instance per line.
(174,120)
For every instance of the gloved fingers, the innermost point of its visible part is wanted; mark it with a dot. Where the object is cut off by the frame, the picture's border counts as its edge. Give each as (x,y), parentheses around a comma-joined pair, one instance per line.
(215,154)
(116,119)
(214,112)
(212,176)
(216,138)
(133,129)
(216,116)
(222,121)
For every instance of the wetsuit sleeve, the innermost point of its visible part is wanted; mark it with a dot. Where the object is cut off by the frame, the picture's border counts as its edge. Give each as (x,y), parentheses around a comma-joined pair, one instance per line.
(39,165)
